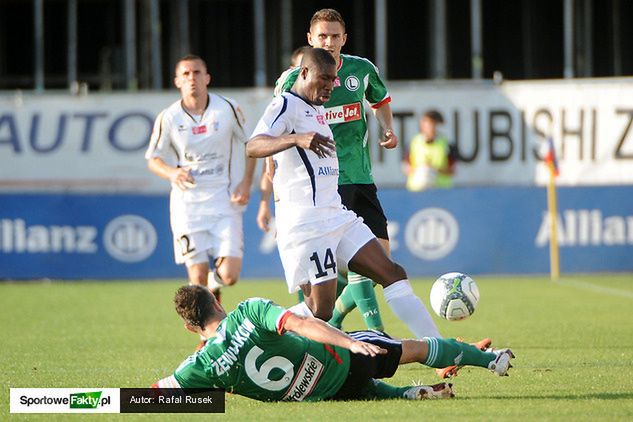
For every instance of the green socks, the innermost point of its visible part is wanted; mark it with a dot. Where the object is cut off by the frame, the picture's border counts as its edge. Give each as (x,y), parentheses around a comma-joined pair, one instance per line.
(359,292)
(344,302)
(381,390)
(449,352)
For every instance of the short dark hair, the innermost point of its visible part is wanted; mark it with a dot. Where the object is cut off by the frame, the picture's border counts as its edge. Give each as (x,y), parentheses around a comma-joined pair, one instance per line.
(434,115)
(327,15)
(299,52)
(318,57)
(189,58)
(194,304)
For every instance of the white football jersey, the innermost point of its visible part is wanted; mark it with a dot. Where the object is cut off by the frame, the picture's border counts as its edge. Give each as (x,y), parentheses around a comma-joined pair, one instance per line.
(212,147)
(305,186)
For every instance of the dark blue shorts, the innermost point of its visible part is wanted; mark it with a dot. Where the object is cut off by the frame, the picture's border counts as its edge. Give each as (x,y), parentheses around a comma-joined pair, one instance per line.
(363,200)
(362,369)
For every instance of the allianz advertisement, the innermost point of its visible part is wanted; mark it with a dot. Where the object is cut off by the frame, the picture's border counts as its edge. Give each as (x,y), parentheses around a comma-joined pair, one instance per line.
(501,230)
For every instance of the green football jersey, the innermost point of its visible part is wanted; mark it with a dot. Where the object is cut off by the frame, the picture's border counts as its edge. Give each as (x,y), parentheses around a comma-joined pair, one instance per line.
(357,80)
(248,356)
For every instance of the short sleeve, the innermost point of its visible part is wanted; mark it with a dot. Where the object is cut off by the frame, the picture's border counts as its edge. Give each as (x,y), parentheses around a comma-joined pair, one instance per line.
(265,314)
(238,128)
(285,81)
(375,91)
(160,140)
(276,119)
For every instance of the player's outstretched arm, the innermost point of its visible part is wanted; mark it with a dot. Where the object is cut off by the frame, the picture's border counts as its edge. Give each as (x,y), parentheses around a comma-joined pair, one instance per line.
(322,332)
(264,145)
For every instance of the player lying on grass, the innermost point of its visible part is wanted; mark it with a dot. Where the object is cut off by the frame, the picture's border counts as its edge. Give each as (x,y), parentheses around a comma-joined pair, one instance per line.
(265,352)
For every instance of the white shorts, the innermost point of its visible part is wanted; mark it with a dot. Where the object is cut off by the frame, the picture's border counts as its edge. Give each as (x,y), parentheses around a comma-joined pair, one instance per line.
(310,252)
(224,238)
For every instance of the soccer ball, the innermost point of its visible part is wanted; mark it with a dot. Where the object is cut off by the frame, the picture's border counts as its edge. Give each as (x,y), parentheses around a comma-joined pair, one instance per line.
(454,296)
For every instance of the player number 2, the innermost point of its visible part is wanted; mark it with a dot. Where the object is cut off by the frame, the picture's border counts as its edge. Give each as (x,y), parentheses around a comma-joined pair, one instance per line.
(260,376)
(328,263)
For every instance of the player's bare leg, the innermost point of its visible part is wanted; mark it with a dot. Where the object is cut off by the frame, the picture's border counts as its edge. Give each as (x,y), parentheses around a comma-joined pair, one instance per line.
(372,261)
(198,273)
(226,273)
(228,269)
(320,298)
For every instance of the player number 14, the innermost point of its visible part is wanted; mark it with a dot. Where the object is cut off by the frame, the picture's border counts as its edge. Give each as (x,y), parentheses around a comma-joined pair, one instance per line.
(328,263)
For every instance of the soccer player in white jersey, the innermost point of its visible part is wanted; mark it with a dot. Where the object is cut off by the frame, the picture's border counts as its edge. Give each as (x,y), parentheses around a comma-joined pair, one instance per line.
(314,230)
(198,145)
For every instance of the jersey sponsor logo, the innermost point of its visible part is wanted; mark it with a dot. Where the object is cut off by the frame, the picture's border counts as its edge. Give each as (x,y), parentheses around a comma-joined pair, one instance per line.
(229,357)
(352,83)
(432,233)
(328,171)
(129,238)
(342,114)
(321,119)
(182,128)
(199,130)
(307,377)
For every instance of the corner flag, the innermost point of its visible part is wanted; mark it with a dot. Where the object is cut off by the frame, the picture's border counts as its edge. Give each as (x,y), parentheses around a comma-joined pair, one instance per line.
(552,163)
(550,157)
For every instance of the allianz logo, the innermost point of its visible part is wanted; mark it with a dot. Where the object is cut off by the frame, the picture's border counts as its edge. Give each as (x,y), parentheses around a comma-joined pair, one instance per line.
(587,228)
(431,233)
(127,238)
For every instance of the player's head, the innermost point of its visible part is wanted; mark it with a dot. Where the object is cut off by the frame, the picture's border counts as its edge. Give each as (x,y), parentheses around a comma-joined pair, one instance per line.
(191,76)
(196,305)
(428,123)
(327,31)
(317,75)
(297,55)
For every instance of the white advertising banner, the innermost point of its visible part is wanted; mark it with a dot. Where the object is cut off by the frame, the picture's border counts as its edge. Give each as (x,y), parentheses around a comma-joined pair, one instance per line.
(96,143)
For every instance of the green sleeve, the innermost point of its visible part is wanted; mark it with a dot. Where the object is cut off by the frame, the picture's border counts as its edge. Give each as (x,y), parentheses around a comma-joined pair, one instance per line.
(286,81)
(263,313)
(376,91)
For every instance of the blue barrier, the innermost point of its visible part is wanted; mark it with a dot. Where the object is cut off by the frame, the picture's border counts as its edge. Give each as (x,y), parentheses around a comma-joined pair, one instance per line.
(474,230)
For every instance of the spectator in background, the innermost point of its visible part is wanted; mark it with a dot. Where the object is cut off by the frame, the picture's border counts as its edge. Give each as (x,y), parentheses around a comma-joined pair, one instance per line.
(430,162)
(194,145)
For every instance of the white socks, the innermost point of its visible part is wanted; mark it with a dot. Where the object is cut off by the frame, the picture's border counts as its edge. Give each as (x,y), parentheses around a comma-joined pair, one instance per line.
(410,309)
(301,309)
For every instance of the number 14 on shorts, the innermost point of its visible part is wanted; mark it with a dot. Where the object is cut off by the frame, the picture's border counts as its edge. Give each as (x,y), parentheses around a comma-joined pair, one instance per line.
(328,263)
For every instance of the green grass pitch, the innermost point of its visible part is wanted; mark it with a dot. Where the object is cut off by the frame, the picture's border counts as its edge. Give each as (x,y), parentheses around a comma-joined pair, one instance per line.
(573,340)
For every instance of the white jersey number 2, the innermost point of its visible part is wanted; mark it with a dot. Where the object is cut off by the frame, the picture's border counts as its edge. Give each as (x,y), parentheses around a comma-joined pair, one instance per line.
(260,376)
